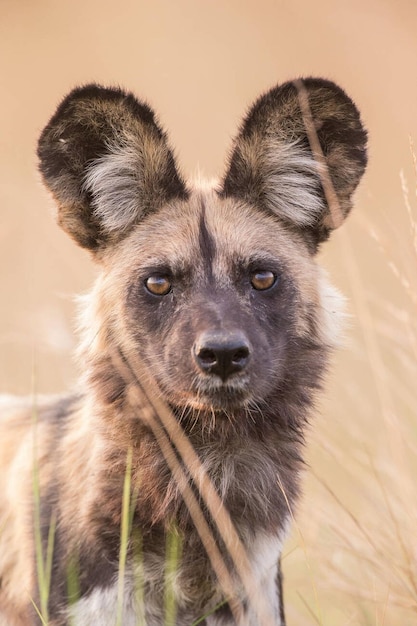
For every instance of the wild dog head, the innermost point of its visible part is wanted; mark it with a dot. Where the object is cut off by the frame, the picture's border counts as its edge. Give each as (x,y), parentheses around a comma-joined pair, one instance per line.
(216,288)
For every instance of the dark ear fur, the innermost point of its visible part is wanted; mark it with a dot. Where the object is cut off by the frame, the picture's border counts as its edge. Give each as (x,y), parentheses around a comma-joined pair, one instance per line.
(107,163)
(272,164)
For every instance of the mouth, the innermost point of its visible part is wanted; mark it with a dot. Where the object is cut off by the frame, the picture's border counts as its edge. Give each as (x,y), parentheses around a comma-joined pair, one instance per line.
(218,396)
(208,393)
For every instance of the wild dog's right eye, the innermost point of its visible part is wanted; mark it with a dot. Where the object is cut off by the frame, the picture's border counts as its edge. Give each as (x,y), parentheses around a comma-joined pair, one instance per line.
(158,285)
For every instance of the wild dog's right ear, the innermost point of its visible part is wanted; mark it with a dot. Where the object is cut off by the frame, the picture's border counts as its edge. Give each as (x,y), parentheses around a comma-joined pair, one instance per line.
(275,166)
(107,163)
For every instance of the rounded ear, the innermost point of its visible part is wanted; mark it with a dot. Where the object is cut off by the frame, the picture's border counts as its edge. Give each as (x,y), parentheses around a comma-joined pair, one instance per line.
(107,163)
(276,165)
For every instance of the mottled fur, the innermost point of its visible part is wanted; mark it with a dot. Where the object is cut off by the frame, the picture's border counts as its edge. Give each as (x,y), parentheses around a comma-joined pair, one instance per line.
(119,194)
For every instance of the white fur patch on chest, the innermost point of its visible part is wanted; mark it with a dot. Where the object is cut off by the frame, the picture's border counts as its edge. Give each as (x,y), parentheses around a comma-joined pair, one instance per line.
(101,606)
(264,556)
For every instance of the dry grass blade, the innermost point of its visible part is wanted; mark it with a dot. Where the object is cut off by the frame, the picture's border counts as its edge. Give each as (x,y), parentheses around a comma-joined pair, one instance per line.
(216,559)
(336,214)
(166,429)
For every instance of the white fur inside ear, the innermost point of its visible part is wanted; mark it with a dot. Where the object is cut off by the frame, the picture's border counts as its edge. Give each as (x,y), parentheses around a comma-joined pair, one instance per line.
(292,185)
(115,182)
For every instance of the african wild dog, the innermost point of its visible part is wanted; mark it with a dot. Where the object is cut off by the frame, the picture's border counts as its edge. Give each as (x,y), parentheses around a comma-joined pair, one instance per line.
(218,292)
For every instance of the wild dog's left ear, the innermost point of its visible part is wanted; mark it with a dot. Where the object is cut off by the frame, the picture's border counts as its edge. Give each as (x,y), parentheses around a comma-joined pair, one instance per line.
(107,163)
(272,164)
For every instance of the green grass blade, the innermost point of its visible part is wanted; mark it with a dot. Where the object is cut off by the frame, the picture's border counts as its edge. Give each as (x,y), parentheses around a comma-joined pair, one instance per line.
(39,614)
(173,556)
(124,535)
(43,566)
(213,610)
(73,584)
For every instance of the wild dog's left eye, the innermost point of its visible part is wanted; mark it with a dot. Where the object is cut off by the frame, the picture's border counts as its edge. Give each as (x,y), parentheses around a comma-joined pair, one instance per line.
(158,285)
(263,280)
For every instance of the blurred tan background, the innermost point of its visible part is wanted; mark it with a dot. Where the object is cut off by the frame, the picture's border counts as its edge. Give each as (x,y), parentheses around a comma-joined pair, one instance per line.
(352,558)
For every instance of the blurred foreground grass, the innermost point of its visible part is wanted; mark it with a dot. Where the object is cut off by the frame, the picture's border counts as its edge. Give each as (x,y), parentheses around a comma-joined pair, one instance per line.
(352,559)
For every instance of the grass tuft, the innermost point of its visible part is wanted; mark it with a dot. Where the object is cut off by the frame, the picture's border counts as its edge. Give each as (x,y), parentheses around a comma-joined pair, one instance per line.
(43,561)
(358,520)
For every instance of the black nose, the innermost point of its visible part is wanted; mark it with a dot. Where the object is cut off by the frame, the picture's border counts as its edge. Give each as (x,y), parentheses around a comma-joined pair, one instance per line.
(222,353)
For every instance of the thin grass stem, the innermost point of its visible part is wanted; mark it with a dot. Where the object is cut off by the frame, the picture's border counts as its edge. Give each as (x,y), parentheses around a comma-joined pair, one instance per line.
(124,539)
(173,557)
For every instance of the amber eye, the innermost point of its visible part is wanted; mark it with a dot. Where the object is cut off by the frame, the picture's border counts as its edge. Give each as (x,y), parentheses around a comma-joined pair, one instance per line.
(158,285)
(263,280)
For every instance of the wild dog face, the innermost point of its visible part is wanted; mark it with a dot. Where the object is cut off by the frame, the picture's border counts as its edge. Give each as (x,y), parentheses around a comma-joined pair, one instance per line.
(217,289)
(214,301)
